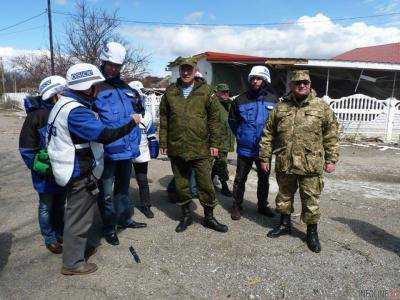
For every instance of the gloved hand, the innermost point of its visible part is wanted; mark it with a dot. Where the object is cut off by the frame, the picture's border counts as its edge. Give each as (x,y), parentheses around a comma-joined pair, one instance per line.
(41,164)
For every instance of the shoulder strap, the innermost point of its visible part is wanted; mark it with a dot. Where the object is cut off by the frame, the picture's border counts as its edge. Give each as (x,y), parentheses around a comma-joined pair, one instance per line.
(50,129)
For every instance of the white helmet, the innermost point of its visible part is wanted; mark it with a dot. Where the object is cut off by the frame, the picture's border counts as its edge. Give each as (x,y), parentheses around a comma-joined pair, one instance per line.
(260,71)
(198,75)
(51,85)
(113,52)
(82,76)
(136,84)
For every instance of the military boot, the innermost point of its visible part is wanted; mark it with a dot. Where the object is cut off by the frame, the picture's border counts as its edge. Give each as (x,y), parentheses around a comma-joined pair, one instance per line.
(186,220)
(211,222)
(265,210)
(284,227)
(225,189)
(235,212)
(312,238)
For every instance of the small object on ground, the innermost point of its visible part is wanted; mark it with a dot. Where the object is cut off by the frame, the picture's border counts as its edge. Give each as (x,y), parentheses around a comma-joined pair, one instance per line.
(135,255)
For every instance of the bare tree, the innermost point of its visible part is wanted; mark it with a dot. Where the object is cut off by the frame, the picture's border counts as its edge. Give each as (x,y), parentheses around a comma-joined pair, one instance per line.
(33,68)
(90,29)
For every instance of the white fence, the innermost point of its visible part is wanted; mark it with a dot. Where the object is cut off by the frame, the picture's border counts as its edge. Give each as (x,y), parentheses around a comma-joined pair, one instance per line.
(367,116)
(17,97)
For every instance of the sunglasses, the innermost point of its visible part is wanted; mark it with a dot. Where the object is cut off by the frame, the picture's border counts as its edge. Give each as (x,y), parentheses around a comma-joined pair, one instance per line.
(300,82)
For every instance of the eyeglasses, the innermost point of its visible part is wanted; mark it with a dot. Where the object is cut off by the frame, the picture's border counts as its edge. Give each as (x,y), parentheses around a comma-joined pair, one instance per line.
(300,82)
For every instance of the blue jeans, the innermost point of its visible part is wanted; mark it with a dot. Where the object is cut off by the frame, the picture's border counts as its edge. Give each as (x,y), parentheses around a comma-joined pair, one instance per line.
(116,207)
(51,216)
(171,188)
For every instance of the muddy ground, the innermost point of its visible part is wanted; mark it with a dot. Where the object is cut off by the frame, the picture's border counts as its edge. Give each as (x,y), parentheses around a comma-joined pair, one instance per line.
(359,232)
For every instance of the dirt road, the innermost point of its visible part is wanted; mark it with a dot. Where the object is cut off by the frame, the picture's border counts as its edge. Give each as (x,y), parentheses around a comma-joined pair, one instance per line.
(359,231)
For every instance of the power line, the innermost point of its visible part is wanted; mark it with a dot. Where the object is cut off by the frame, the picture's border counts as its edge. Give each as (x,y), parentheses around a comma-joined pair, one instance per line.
(23,30)
(123,20)
(23,21)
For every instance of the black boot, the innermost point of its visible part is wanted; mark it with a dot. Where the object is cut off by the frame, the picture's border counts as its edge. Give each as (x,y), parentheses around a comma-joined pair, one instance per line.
(312,238)
(147,212)
(211,222)
(225,189)
(265,210)
(112,239)
(186,220)
(284,227)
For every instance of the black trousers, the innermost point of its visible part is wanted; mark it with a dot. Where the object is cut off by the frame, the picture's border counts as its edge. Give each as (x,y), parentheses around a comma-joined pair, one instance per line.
(143,183)
(244,165)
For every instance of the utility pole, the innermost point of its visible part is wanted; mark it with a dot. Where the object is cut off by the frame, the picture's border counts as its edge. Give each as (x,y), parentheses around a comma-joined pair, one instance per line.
(15,83)
(50,36)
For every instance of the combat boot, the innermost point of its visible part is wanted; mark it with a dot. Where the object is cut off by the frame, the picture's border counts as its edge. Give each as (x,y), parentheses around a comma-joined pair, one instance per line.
(225,189)
(235,212)
(312,238)
(284,227)
(265,210)
(186,220)
(211,222)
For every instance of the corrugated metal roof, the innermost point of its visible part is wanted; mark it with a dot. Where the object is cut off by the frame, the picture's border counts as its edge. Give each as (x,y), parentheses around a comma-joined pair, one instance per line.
(389,53)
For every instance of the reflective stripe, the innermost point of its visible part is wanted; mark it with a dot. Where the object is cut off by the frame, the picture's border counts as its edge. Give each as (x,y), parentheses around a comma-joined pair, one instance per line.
(84,80)
(82,146)
(50,87)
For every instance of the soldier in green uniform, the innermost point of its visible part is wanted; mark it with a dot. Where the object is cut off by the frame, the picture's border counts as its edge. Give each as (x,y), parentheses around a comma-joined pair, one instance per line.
(190,135)
(220,167)
(302,132)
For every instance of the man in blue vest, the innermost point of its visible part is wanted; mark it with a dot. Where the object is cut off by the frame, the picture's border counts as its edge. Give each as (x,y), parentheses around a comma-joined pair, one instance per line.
(32,142)
(74,143)
(247,118)
(114,104)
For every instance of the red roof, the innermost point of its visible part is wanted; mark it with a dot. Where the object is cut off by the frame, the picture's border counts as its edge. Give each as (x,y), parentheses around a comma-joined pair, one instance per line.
(389,53)
(218,56)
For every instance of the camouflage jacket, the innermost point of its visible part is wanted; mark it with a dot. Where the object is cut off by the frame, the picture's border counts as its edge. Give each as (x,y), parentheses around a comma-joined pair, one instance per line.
(228,138)
(189,127)
(303,136)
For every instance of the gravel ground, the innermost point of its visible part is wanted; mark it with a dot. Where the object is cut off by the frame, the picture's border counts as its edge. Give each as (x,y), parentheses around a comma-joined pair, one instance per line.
(359,232)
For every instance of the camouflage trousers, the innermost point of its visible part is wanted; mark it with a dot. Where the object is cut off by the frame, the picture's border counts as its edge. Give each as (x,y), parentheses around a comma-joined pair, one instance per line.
(310,188)
(182,170)
(220,167)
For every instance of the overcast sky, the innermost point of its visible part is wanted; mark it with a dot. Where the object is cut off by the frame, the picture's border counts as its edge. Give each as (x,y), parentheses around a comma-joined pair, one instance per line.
(314,30)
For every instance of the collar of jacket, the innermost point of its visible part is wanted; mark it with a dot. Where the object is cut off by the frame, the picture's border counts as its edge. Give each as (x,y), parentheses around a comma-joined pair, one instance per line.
(117,82)
(196,85)
(263,93)
(47,105)
(80,97)
(226,104)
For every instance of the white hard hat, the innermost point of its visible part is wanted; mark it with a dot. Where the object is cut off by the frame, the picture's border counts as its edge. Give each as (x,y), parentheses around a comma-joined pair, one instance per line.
(260,71)
(51,85)
(113,52)
(82,76)
(136,84)
(198,74)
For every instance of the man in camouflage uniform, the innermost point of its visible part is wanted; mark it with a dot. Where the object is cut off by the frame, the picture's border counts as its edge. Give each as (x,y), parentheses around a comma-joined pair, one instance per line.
(190,136)
(220,167)
(302,132)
